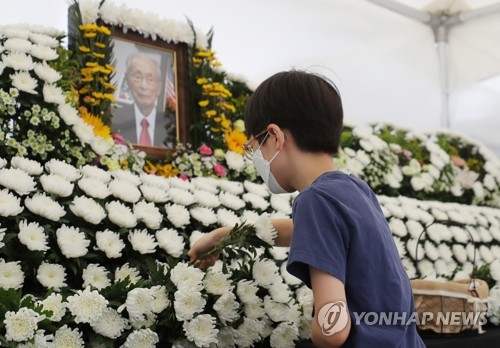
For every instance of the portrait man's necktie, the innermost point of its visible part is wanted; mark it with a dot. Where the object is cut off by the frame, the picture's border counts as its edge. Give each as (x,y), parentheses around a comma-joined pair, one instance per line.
(144,138)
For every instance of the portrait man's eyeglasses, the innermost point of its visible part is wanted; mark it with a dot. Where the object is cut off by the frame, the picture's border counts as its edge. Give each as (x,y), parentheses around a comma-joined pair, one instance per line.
(138,78)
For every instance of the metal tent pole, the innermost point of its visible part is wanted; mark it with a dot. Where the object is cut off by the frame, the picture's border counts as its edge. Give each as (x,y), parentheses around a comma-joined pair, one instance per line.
(442,44)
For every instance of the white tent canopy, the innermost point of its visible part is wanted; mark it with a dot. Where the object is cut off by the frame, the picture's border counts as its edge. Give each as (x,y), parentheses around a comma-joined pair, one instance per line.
(386,65)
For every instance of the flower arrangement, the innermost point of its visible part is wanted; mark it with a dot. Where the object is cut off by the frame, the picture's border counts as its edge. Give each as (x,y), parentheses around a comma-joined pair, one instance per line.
(396,161)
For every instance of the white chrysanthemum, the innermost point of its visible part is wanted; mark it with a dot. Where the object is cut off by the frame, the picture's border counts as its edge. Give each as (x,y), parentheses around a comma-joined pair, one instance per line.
(265,272)
(201,330)
(155,180)
(24,82)
(125,191)
(43,205)
(94,188)
(97,173)
(17,45)
(87,209)
(179,183)
(187,303)
(227,307)
(43,52)
(69,114)
(72,241)
(54,303)
(217,283)
(425,268)
(10,205)
(18,61)
(53,94)
(459,253)
(15,31)
(11,275)
(248,332)
(68,338)
(400,246)
(47,73)
(86,306)
(431,251)
(178,215)
(234,160)
(180,196)
(278,312)
(445,252)
(398,227)
(21,325)
(160,299)
(247,291)
(227,218)
(63,169)
(96,276)
(231,201)
(3,162)
(279,253)
(287,277)
(264,229)
(128,176)
(280,292)
(2,235)
(138,302)
(185,276)
(414,228)
(411,248)
(126,271)
(284,335)
(205,184)
(89,10)
(56,185)
(154,194)
(120,214)
(256,201)
(31,167)
(195,236)
(409,268)
(281,203)
(206,199)
(254,310)
(233,187)
(101,145)
(170,241)
(204,215)
(149,214)
(33,236)
(142,241)
(83,131)
(144,338)
(257,189)
(225,337)
(52,276)
(143,322)
(17,180)
(110,243)
(110,324)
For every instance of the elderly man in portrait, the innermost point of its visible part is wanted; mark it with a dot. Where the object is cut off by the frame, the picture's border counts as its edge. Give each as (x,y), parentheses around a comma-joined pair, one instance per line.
(144,122)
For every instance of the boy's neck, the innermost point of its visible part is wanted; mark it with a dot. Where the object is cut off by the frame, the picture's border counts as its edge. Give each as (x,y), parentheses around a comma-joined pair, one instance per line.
(307,167)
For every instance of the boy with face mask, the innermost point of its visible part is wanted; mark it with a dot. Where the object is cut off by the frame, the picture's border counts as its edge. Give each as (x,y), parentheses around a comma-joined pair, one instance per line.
(340,243)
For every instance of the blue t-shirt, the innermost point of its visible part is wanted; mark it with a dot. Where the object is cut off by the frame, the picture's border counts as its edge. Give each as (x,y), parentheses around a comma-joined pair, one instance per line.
(339,228)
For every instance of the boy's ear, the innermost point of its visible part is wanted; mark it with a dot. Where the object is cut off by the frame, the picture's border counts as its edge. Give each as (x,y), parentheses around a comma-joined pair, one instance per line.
(276,134)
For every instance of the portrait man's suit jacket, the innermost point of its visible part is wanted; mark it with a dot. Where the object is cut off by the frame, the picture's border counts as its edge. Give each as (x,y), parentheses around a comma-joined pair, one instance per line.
(124,123)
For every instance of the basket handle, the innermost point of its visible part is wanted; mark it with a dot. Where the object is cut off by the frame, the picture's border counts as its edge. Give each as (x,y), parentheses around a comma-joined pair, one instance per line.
(451,223)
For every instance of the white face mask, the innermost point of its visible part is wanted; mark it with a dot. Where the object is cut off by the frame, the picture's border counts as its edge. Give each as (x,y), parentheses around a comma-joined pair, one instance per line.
(263,167)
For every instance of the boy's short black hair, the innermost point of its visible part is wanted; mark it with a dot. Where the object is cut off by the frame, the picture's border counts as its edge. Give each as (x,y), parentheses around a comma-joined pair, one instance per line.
(306,104)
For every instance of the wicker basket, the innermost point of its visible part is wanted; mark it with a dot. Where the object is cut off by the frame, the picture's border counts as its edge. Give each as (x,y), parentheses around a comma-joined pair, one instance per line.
(450,307)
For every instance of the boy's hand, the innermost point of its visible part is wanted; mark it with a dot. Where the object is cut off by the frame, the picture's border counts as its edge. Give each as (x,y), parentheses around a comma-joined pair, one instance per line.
(204,244)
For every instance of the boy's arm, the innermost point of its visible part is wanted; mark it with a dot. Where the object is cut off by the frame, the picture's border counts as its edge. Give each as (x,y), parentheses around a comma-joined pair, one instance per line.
(331,323)
(284,227)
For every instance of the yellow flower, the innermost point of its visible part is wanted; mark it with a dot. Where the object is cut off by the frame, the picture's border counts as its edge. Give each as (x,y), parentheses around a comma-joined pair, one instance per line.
(227,106)
(203,103)
(100,45)
(98,55)
(88,27)
(89,35)
(166,170)
(91,64)
(88,79)
(210,113)
(84,49)
(225,123)
(111,164)
(201,81)
(104,30)
(204,54)
(110,67)
(235,141)
(100,129)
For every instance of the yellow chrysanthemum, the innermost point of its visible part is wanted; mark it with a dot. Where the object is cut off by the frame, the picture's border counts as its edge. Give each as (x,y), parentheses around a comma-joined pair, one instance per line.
(201,81)
(210,113)
(89,35)
(98,55)
(203,103)
(84,49)
(100,45)
(235,141)
(166,170)
(100,129)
